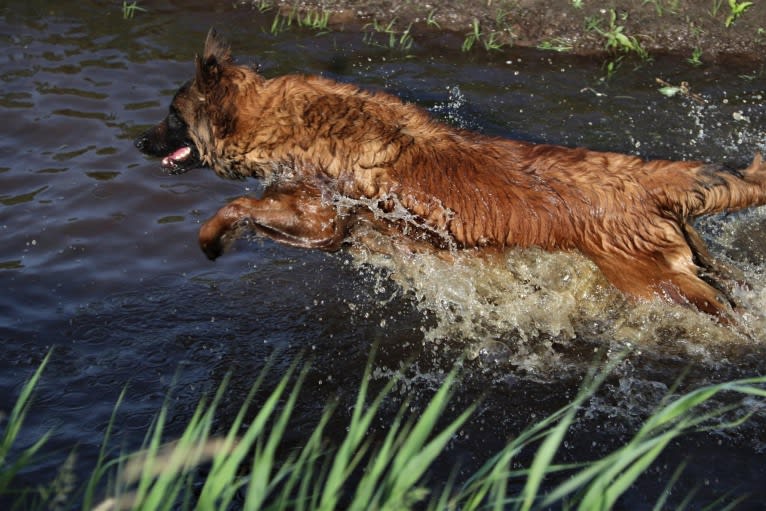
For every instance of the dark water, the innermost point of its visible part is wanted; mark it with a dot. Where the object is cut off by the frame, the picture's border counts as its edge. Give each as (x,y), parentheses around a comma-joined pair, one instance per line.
(99,258)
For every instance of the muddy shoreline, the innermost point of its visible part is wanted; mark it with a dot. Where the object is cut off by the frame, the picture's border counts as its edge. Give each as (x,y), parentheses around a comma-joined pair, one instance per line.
(704,31)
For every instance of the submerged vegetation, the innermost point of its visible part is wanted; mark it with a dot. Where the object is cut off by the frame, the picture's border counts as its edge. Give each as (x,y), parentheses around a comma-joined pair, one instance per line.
(248,467)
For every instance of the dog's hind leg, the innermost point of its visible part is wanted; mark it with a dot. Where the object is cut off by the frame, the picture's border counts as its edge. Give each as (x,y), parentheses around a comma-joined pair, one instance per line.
(676,271)
(653,280)
(297,217)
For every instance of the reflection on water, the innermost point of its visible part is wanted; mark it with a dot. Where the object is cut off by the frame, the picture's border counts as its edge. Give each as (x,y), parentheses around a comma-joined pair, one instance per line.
(100,262)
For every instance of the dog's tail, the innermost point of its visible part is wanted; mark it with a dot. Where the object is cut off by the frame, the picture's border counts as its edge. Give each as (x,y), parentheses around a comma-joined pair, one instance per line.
(715,189)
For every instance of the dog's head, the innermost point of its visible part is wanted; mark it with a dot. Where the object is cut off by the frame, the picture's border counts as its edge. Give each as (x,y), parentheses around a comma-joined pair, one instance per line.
(171,139)
(202,112)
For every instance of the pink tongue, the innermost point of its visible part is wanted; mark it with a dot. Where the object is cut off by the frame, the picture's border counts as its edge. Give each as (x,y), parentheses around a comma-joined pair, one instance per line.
(177,155)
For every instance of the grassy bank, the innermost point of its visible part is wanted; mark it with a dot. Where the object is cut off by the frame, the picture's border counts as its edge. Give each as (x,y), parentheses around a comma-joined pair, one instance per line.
(707,31)
(242,468)
(711,29)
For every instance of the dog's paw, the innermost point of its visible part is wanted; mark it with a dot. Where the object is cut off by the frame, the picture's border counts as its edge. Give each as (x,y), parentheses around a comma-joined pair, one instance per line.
(215,236)
(213,249)
(211,240)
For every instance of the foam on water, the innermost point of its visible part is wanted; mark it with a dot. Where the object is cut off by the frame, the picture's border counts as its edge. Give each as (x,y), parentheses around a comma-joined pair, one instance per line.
(524,302)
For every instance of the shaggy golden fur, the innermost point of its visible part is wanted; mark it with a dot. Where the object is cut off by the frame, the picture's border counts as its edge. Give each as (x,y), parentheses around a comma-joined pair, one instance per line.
(314,140)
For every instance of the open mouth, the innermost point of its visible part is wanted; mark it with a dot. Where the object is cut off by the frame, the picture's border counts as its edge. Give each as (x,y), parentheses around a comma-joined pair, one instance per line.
(181,160)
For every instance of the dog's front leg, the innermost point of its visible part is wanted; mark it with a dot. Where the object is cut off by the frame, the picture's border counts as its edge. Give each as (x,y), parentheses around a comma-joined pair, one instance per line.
(297,217)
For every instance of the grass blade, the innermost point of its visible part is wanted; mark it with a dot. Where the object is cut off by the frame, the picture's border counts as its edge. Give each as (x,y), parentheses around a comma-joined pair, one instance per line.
(14,423)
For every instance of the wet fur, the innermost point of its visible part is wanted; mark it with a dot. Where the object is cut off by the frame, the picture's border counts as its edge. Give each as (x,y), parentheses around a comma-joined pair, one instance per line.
(313,140)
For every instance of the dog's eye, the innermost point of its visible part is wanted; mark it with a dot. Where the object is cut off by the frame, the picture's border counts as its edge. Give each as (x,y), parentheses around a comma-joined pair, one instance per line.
(175,122)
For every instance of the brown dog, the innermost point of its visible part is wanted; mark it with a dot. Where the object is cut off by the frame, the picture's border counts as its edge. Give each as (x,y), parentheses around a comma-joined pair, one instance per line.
(315,141)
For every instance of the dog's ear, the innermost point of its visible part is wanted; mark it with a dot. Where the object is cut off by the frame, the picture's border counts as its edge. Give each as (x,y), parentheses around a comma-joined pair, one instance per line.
(215,57)
(216,47)
(214,80)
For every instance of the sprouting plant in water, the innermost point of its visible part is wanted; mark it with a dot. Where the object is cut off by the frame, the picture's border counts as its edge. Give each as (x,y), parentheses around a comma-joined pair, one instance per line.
(558,44)
(280,24)
(611,66)
(406,40)
(736,9)
(492,43)
(695,59)
(129,9)
(401,40)
(472,36)
(313,19)
(263,5)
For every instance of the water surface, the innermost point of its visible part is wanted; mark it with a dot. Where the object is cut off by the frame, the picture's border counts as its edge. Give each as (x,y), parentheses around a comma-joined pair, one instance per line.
(100,262)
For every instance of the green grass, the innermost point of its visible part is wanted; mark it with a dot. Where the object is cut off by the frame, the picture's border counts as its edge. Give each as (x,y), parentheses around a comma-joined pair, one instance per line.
(388,36)
(263,5)
(663,6)
(491,41)
(617,43)
(736,9)
(12,425)
(244,469)
(557,44)
(313,19)
(615,38)
(431,19)
(129,9)
(696,57)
